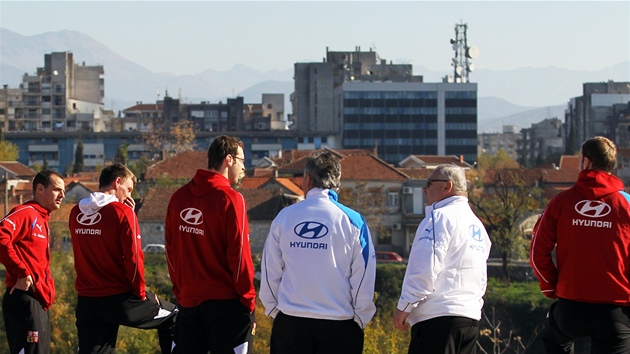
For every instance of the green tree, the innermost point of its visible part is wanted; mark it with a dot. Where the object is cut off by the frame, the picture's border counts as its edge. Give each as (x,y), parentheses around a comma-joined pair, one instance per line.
(174,139)
(122,154)
(503,195)
(78,158)
(8,151)
(369,202)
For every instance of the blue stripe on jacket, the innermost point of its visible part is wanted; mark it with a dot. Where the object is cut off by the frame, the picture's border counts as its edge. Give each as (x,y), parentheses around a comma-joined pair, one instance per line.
(357,220)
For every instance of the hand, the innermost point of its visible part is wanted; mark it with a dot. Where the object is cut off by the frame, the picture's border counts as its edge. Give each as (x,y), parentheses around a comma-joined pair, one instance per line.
(23,284)
(130,202)
(399,320)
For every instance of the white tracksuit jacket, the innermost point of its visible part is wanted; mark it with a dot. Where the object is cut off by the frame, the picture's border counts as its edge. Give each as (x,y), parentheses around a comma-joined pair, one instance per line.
(447,272)
(319,262)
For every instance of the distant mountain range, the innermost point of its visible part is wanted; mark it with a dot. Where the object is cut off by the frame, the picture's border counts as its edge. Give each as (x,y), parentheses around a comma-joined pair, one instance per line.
(516,97)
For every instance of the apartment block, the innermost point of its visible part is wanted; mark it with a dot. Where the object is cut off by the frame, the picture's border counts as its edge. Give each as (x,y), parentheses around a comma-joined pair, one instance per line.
(508,141)
(592,114)
(542,142)
(60,96)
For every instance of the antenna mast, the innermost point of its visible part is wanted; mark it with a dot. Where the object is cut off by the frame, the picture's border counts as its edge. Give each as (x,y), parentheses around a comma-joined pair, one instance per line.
(462,63)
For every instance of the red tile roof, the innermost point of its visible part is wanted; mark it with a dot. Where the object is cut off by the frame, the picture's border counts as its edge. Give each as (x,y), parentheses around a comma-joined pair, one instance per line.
(569,162)
(18,169)
(155,203)
(262,204)
(179,167)
(416,173)
(355,165)
(289,183)
(369,168)
(252,182)
(562,176)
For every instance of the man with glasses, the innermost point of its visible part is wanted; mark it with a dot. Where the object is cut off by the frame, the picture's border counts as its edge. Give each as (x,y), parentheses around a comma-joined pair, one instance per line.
(446,276)
(209,256)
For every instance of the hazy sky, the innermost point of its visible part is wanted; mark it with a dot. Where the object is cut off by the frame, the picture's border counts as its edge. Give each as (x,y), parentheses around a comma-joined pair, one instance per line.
(190,37)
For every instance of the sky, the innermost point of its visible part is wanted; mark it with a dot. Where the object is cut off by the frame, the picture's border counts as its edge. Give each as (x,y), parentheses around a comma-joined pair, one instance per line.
(188,37)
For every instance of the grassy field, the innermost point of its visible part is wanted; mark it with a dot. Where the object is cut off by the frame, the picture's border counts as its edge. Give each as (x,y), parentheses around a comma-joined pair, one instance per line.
(513,316)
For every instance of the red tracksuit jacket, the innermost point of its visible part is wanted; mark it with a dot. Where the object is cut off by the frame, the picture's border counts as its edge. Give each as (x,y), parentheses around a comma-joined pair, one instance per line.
(24,249)
(207,242)
(589,224)
(107,247)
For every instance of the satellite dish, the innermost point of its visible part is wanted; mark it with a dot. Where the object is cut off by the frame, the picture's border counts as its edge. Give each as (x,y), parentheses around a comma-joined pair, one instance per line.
(471,67)
(55,73)
(459,70)
(472,52)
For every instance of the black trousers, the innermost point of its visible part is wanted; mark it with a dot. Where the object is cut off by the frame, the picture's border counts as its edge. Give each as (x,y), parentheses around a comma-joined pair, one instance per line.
(218,326)
(98,319)
(291,335)
(607,325)
(444,335)
(26,323)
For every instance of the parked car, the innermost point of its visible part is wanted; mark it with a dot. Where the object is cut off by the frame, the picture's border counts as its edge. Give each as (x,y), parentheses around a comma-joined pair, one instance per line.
(388,257)
(154,248)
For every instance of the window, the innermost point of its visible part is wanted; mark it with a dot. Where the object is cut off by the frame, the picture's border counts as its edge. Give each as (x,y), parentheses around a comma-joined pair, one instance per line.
(392,199)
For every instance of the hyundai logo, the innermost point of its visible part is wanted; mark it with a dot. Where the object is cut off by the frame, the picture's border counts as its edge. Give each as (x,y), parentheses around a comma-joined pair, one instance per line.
(593,208)
(311,230)
(88,220)
(475,232)
(191,216)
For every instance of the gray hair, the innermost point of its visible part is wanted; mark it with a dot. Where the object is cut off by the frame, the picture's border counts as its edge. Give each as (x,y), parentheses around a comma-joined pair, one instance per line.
(454,174)
(324,169)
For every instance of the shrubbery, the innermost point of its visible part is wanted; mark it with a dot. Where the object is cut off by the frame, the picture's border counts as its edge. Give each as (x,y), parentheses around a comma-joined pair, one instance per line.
(519,308)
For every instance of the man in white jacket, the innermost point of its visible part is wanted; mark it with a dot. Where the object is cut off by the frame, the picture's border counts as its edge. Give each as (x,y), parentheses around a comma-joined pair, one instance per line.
(318,269)
(446,276)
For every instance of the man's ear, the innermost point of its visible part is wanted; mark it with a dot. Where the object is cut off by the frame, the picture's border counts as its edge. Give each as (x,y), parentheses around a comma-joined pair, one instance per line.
(586,163)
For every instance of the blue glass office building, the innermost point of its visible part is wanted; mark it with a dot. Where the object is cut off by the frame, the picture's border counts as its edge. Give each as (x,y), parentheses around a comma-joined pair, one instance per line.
(409,118)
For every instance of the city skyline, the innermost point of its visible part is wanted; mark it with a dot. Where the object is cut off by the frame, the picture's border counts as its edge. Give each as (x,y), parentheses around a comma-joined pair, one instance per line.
(187,38)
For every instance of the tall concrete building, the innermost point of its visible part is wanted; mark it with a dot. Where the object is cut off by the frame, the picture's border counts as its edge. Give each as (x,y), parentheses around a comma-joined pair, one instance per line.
(312,100)
(60,96)
(592,114)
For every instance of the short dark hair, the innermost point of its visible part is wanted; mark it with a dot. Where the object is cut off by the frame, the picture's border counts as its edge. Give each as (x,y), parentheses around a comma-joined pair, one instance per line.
(113,171)
(324,169)
(221,147)
(602,153)
(44,178)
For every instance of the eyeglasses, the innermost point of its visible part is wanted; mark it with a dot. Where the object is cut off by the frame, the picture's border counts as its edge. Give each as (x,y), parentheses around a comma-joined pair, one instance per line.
(240,158)
(429,181)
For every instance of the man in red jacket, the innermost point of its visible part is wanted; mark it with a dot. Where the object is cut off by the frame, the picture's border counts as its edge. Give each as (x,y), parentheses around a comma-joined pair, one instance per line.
(209,257)
(109,263)
(589,226)
(25,253)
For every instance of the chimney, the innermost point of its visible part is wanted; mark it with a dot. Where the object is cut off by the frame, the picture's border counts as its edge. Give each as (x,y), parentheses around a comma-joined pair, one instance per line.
(461,158)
